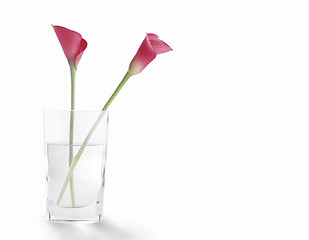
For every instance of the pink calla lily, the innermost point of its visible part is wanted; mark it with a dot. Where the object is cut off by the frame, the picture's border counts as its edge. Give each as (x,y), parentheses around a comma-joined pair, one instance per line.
(72,43)
(149,49)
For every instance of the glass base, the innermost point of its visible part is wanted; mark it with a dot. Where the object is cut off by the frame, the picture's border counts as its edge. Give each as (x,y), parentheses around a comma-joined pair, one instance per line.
(88,214)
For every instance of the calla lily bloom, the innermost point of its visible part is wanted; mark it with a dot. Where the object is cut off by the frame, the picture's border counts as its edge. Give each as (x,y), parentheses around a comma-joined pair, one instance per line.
(72,43)
(149,49)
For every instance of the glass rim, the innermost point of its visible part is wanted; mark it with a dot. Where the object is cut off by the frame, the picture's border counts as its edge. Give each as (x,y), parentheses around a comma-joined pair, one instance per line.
(76,110)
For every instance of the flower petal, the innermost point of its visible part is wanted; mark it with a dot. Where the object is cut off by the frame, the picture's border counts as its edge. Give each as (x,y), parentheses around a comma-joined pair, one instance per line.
(83,46)
(72,44)
(158,45)
(150,47)
(145,54)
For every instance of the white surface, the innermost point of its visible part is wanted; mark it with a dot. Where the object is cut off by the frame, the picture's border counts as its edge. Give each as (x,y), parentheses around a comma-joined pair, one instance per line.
(208,142)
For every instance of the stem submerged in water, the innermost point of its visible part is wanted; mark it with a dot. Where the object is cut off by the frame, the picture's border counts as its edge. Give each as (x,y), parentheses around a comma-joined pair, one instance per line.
(82,148)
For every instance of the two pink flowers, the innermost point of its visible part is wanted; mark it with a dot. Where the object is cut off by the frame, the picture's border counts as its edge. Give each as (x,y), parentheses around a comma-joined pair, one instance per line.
(74,45)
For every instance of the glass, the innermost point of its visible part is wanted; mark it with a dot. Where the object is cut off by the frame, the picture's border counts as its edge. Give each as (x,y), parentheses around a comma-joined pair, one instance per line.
(79,136)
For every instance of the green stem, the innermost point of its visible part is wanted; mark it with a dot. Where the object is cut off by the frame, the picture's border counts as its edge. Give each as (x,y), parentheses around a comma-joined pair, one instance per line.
(121,84)
(73,74)
(84,144)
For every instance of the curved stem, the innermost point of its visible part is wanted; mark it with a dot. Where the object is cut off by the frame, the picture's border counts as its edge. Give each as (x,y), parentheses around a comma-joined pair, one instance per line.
(84,144)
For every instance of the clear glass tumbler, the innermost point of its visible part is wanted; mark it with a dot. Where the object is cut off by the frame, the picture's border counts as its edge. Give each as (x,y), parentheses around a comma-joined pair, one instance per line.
(75,152)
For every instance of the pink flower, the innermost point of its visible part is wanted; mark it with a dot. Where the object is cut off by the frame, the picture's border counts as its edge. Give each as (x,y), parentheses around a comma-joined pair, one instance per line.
(72,43)
(150,47)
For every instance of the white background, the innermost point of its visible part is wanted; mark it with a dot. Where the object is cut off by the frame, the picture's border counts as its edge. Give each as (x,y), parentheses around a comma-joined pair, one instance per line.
(210,141)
